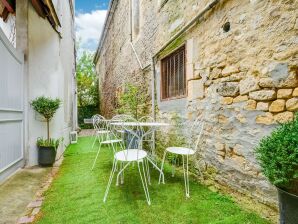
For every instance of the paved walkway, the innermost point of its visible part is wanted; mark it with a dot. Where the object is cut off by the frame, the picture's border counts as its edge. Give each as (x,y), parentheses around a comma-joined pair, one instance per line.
(86,132)
(18,191)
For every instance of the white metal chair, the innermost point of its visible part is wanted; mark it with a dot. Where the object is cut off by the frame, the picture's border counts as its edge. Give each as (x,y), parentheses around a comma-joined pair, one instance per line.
(131,155)
(122,118)
(100,128)
(197,130)
(111,140)
(94,118)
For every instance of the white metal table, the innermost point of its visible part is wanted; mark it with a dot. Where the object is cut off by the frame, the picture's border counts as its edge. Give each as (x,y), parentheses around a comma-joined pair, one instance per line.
(153,125)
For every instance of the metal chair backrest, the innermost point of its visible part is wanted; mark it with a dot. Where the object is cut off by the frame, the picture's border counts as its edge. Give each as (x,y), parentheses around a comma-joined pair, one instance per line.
(146,119)
(150,133)
(94,118)
(196,131)
(117,131)
(99,122)
(149,138)
(134,134)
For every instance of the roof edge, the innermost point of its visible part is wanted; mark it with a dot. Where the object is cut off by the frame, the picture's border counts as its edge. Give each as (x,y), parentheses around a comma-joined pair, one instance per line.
(109,16)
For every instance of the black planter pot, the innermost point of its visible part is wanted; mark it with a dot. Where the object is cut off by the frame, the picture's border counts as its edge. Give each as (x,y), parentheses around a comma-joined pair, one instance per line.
(46,156)
(288,207)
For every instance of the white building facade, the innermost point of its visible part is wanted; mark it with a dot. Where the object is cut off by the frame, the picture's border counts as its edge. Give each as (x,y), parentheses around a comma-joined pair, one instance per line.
(37,58)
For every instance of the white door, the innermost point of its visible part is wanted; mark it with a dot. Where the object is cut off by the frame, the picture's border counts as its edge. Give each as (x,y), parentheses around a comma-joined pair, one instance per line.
(11,108)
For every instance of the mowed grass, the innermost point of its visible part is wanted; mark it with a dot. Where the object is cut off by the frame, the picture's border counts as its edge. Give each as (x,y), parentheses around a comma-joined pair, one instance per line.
(76,196)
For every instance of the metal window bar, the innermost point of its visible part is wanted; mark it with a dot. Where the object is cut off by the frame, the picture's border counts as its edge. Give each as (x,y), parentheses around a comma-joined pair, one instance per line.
(173,80)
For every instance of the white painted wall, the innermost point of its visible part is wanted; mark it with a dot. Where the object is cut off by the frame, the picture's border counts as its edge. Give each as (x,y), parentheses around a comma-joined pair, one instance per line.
(51,67)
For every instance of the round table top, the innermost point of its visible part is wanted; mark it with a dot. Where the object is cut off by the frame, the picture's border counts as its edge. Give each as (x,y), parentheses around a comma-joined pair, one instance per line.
(148,124)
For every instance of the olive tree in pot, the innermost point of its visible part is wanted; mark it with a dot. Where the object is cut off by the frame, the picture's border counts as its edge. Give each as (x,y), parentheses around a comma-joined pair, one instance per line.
(278,157)
(47,148)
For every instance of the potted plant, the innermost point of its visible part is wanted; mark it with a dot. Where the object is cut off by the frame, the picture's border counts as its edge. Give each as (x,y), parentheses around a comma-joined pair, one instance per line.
(278,157)
(47,148)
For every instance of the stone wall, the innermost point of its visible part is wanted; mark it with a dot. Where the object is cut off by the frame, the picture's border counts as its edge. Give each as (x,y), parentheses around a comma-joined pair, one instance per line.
(243,79)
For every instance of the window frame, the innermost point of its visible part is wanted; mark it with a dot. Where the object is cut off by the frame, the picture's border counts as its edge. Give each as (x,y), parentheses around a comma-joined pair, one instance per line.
(162,75)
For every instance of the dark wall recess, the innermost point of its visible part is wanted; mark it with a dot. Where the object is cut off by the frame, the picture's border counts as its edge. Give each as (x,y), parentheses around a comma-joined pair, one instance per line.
(226,27)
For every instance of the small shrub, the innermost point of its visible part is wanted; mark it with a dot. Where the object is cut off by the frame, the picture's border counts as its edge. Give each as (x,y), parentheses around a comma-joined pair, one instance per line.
(41,142)
(86,112)
(46,107)
(134,101)
(278,156)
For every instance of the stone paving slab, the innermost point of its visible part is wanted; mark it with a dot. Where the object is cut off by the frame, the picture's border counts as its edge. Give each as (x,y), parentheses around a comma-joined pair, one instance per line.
(17,192)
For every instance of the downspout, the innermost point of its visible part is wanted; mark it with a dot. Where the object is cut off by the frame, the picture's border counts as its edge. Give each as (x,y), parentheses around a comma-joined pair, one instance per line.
(134,50)
(131,43)
(153,78)
(177,35)
(130,20)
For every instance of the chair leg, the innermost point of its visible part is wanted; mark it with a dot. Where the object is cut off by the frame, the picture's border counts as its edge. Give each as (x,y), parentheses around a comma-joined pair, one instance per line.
(113,147)
(119,174)
(185,174)
(161,168)
(173,167)
(95,138)
(144,182)
(96,156)
(122,177)
(110,180)
(121,171)
(148,171)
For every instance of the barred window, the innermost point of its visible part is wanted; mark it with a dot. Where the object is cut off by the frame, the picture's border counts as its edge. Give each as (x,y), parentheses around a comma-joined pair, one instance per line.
(173,78)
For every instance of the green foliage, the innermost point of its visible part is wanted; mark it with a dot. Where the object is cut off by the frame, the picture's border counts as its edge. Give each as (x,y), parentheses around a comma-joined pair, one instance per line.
(133,101)
(278,155)
(46,106)
(87,89)
(49,142)
(173,137)
(87,81)
(86,112)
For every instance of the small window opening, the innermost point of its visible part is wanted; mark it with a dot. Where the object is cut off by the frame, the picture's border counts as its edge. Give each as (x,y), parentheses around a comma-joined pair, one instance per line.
(173,77)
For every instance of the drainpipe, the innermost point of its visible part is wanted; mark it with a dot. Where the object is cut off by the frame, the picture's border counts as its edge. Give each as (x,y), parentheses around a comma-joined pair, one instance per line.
(131,43)
(134,50)
(153,78)
(130,20)
(177,35)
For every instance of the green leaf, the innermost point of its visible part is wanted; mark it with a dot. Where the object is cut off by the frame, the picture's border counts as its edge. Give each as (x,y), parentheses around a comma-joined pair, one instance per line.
(278,155)
(46,106)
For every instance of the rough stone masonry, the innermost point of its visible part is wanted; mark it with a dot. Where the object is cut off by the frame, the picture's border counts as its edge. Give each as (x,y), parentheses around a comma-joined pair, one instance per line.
(241,67)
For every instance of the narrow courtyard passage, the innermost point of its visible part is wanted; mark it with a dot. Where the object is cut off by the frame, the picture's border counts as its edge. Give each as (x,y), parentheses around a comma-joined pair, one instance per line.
(76,195)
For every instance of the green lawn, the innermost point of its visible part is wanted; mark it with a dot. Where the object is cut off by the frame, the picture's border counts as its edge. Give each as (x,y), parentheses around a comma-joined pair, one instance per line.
(76,196)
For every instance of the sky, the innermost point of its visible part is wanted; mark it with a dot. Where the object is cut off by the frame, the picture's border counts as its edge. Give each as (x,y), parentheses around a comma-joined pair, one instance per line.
(90,17)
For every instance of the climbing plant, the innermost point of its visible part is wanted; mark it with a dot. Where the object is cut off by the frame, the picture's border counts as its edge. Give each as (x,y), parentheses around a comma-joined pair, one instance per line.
(172,137)
(134,101)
